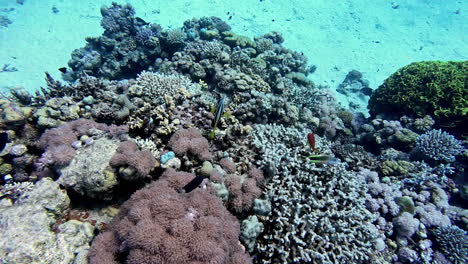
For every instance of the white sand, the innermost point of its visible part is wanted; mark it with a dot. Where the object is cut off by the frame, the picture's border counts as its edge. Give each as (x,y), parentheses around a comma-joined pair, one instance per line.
(337,36)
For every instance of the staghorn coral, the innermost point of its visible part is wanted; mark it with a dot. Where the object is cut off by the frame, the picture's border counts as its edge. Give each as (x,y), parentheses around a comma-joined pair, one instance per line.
(439,146)
(453,242)
(333,226)
(159,225)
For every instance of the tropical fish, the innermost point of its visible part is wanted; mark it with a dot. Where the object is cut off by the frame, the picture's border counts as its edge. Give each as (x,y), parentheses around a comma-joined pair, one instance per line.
(193,184)
(311,139)
(219,112)
(318,158)
(3,140)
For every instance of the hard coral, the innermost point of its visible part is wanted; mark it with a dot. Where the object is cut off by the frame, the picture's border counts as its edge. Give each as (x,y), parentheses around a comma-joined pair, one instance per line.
(434,88)
(160,225)
(190,141)
(117,18)
(152,87)
(453,243)
(437,145)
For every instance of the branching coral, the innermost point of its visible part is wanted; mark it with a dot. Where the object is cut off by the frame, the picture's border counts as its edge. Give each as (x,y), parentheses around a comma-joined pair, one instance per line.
(318,214)
(152,87)
(437,145)
(453,242)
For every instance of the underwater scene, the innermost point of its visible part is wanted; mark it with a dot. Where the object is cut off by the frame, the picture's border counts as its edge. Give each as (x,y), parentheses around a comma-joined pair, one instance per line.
(223,132)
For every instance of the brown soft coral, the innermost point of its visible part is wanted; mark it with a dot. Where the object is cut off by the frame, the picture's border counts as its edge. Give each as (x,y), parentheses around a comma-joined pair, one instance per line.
(159,225)
(190,141)
(129,155)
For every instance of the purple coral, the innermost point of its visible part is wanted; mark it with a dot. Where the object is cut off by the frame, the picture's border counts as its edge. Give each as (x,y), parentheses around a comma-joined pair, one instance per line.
(129,155)
(190,141)
(453,242)
(242,192)
(405,224)
(58,142)
(159,225)
(438,145)
(118,18)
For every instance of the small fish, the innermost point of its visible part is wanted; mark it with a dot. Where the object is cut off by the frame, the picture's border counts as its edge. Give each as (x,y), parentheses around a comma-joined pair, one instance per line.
(141,21)
(63,69)
(193,184)
(3,140)
(218,114)
(311,139)
(319,158)
(367,91)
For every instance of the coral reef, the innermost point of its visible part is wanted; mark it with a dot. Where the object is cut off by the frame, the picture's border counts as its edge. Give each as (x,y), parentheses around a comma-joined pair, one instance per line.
(190,141)
(453,243)
(290,176)
(308,229)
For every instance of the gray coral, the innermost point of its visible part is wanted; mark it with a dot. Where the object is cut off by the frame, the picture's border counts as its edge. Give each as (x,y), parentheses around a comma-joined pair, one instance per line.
(152,87)
(438,145)
(318,214)
(453,243)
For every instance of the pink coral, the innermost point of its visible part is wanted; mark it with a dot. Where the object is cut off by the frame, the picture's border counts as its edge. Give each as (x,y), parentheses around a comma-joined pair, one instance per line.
(129,155)
(190,141)
(57,142)
(228,165)
(216,177)
(160,225)
(257,175)
(242,192)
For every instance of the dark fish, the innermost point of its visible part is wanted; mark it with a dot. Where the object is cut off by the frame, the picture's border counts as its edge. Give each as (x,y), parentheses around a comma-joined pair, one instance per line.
(193,184)
(218,114)
(63,69)
(366,91)
(141,21)
(3,140)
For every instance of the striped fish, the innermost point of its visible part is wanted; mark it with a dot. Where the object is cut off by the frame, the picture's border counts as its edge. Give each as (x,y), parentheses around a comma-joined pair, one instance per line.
(218,114)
